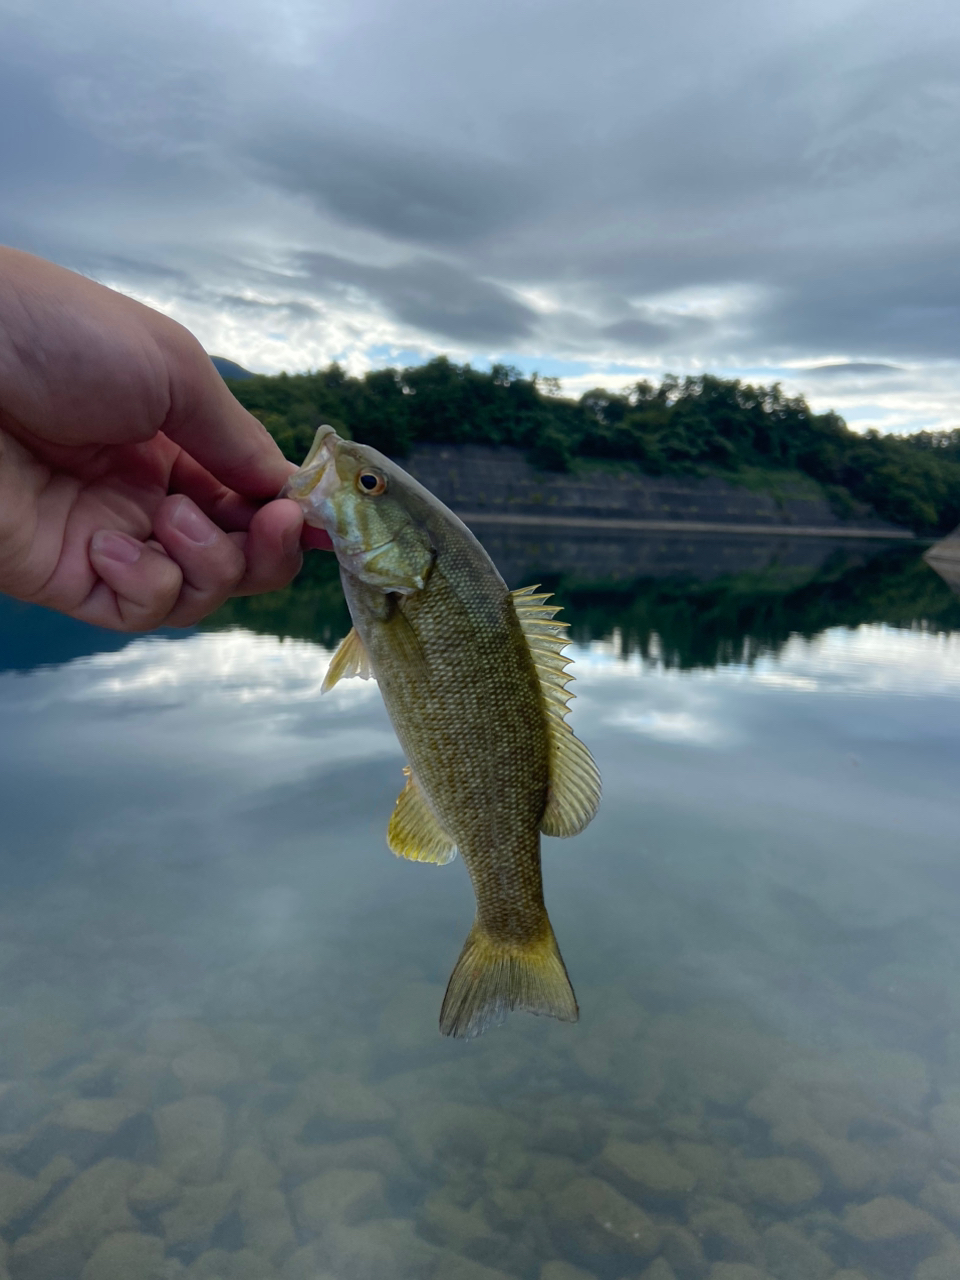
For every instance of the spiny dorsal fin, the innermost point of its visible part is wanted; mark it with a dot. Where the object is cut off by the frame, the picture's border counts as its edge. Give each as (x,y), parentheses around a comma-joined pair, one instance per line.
(349,660)
(574,778)
(414,831)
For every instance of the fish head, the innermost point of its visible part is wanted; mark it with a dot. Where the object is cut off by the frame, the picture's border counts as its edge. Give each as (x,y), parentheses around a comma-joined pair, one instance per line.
(367,506)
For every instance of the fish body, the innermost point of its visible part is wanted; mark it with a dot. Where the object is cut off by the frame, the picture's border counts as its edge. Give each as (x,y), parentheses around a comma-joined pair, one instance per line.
(473,679)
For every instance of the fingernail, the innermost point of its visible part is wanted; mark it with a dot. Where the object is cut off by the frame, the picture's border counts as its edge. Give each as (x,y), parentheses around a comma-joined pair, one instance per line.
(194,526)
(116,546)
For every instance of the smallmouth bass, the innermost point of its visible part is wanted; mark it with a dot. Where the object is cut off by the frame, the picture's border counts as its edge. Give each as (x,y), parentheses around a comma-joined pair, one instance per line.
(474,680)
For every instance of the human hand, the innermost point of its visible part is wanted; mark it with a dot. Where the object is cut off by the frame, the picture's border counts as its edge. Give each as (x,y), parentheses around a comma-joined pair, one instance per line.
(132,483)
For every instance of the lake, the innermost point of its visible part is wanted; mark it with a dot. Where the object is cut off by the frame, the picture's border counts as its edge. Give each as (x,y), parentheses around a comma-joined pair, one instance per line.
(219,991)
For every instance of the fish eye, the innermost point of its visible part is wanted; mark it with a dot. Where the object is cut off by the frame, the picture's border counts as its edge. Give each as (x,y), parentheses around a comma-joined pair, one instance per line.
(370,482)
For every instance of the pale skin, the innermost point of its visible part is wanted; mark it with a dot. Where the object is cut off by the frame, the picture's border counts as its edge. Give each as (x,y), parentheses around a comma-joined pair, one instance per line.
(135,492)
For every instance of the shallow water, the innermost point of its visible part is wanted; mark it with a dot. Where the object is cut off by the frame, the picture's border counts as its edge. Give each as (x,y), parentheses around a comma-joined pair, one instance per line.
(219,991)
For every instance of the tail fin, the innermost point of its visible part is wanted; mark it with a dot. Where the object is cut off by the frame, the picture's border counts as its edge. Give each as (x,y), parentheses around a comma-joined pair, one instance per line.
(493,977)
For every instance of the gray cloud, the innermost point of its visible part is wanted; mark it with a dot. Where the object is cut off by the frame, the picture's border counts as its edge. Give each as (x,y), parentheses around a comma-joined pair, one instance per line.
(723,184)
(852,369)
(394,185)
(432,296)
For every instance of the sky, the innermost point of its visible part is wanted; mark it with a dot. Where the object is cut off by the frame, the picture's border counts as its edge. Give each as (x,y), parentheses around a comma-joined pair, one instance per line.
(595,191)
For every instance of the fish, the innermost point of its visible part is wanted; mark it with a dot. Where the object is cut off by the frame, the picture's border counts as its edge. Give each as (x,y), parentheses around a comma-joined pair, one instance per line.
(475,682)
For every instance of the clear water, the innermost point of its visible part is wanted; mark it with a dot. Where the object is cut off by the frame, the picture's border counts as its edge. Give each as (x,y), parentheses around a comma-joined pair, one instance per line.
(219,991)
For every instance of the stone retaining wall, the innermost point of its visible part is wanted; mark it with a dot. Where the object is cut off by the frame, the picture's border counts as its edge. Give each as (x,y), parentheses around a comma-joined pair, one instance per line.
(476,478)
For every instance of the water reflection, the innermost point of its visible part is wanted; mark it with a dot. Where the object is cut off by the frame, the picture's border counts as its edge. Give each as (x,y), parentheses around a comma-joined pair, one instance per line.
(698,618)
(219,993)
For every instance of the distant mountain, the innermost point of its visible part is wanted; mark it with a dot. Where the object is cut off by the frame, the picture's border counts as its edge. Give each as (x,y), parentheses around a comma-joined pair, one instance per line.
(230,369)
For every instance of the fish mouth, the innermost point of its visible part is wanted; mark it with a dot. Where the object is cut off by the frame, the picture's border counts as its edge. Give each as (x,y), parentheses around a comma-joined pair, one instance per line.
(306,485)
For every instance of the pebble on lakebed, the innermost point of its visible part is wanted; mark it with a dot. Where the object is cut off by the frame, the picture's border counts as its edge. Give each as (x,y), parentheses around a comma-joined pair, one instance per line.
(673,1148)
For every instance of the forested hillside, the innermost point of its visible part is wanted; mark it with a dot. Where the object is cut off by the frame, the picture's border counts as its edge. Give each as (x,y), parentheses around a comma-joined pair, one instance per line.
(689,425)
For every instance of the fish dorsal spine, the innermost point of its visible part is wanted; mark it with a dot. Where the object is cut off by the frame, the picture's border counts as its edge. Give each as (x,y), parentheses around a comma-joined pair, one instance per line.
(574,791)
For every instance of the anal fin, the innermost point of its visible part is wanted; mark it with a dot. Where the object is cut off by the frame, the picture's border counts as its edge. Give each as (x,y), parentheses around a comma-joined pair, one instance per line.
(414,831)
(349,660)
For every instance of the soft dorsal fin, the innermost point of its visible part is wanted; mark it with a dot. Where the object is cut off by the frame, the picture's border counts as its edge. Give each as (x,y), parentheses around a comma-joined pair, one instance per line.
(574,778)
(414,831)
(349,660)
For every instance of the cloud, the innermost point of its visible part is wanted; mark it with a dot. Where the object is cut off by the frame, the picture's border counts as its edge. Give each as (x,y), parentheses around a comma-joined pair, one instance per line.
(432,296)
(751,189)
(851,369)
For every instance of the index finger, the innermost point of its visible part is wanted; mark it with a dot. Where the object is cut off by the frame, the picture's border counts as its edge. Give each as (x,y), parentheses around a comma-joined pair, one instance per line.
(212,426)
(231,510)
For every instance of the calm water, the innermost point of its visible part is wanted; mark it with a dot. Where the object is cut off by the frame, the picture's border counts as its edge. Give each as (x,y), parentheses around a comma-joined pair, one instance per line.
(219,991)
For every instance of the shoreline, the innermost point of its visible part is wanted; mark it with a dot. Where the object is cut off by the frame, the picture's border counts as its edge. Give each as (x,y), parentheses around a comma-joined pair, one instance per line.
(470,518)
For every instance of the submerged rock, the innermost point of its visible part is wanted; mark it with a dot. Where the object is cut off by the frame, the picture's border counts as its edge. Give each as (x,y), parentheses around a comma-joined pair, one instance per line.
(19,1196)
(92,1207)
(205,1068)
(944,1265)
(146,1078)
(250,1169)
(888,1218)
(464,1230)
(715,1060)
(169,1037)
(779,1181)
(563,1134)
(707,1163)
(304,1265)
(265,1221)
(190,1224)
(153,1191)
(791,1256)
(645,1167)
(454,1267)
(96,1115)
(945,1123)
(942,1198)
(302,1161)
(339,1197)
(551,1174)
(220,1264)
(444,1131)
(191,1137)
(683,1250)
(332,1103)
(87,1129)
(380,1248)
(737,1271)
(659,1269)
(593,1218)
(125,1256)
(817,1108)
(509,1208)
(564,1271)
(725,1229)
(896,1079)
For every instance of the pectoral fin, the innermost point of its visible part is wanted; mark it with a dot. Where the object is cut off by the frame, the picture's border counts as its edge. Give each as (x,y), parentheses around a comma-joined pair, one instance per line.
(405,642)
(414,831)
(349,660)
(574,794)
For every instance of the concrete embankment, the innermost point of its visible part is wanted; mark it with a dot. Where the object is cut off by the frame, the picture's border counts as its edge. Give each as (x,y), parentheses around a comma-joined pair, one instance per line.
(612,524)
(487,486)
